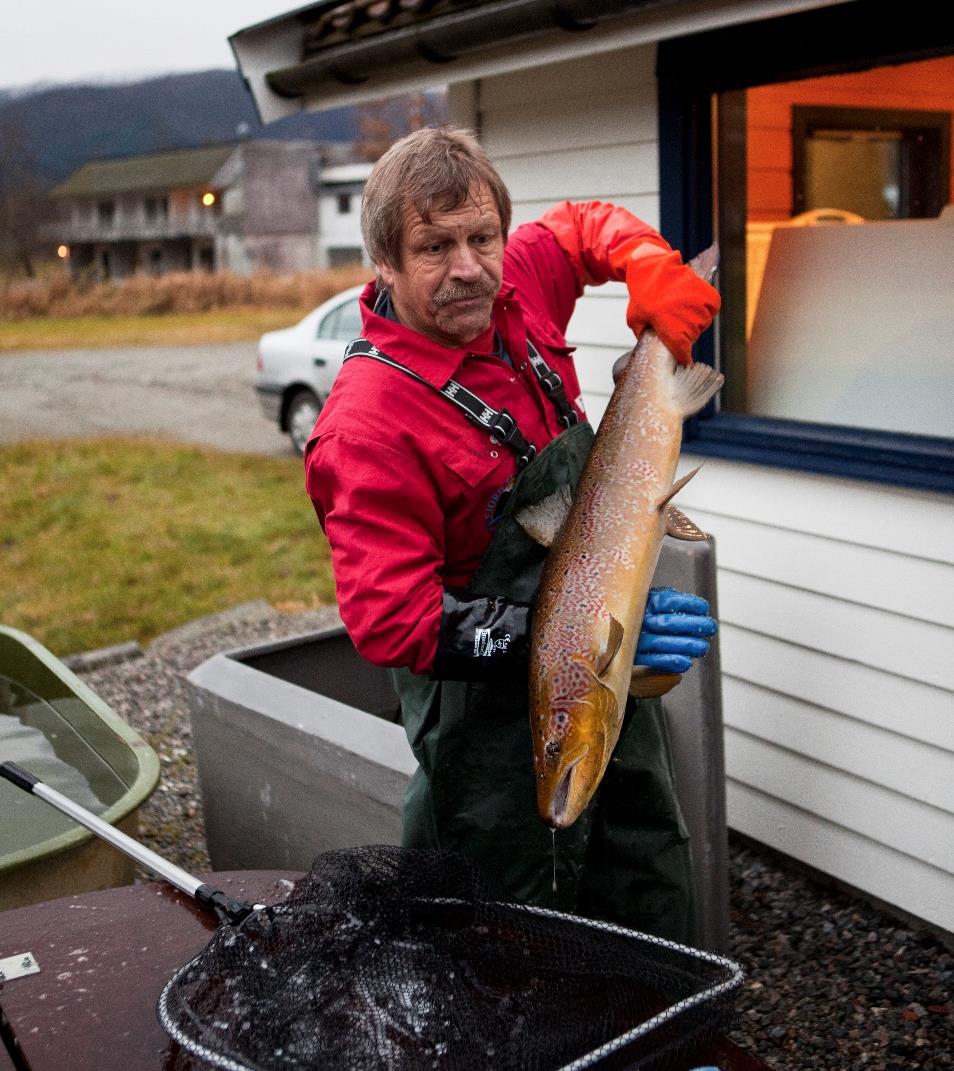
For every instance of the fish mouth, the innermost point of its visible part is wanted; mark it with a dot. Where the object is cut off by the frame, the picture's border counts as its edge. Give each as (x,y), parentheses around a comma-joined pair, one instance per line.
(561,796)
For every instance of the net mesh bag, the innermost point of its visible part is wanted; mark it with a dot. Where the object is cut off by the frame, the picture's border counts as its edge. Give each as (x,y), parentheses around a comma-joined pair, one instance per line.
(396,958)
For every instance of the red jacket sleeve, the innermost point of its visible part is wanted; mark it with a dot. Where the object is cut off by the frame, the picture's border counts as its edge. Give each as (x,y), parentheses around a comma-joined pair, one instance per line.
(386,537)
(605,242)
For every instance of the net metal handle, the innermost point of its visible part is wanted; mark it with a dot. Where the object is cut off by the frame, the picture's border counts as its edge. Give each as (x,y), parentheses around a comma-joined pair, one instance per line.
(210,899)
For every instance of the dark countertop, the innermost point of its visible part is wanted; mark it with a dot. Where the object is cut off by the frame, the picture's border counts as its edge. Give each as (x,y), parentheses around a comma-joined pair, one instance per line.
(105,956)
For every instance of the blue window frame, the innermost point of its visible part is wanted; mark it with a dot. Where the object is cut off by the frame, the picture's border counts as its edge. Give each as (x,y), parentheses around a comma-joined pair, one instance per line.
(701,82)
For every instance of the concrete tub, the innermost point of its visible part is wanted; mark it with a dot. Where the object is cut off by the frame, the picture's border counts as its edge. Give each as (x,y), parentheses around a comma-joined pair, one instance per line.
(299,750)
(53,725)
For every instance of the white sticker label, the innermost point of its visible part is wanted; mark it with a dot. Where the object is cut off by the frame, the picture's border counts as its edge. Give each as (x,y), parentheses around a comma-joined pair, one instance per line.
(18,966)
(485,645)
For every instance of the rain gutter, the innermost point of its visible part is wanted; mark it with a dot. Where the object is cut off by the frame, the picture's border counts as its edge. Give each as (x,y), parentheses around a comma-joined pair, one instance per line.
(449,37)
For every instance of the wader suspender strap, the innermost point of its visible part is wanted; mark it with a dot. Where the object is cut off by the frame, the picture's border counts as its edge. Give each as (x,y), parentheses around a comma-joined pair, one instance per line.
(499,423)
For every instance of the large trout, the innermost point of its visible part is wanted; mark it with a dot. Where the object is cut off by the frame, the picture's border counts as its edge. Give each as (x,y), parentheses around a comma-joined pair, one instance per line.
(603,554)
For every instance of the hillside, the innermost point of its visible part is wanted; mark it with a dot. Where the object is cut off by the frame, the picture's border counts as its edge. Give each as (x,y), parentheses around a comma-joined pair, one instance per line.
(65,126)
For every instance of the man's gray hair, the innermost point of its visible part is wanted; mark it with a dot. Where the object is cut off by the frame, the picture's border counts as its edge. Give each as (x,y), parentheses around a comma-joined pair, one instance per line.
(434,168)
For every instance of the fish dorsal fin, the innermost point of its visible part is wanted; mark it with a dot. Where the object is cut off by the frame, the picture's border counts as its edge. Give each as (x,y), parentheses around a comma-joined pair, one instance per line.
(676,488)
(693,385)
(679,526)
(614,640)
(543,520)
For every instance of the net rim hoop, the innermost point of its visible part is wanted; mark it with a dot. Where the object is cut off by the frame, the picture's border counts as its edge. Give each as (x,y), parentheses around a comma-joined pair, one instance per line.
(587,1060)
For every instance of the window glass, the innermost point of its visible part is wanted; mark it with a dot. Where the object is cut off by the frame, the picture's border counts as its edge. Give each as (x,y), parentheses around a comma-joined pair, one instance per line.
(344,323)
(328,325)
(847,311)
(349,323)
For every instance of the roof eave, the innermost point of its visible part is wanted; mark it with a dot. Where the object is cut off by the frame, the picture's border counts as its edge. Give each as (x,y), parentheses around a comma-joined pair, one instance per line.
(466,44)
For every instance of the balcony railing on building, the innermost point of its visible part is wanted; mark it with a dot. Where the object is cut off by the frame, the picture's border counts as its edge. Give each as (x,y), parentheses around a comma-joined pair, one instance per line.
(134,227)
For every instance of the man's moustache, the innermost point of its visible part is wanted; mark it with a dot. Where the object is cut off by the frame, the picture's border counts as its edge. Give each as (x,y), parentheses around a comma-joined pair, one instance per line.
(464,293)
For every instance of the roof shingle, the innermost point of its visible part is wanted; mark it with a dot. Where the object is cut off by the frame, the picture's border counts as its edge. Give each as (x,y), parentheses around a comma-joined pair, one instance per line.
(151,171)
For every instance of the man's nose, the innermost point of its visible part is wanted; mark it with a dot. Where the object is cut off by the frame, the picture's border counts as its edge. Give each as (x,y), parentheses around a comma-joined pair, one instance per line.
(465,264)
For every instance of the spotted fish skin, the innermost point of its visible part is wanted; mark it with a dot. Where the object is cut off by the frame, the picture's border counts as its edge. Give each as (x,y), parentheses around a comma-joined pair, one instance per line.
(596,580)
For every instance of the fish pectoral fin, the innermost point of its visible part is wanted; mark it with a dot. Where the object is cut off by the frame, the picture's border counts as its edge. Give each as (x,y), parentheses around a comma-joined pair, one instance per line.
(543,520)
(611,646)
(679,526)
(646,683)
(663,500)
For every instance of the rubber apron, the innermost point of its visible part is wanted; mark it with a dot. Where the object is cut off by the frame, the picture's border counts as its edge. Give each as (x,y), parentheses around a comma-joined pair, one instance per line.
(626,859)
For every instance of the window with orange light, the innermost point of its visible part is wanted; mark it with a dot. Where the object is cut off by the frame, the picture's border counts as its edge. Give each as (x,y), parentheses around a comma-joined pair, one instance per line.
(816,148)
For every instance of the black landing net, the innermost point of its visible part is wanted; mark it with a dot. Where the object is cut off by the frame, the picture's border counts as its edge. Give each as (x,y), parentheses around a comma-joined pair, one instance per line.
(395,958)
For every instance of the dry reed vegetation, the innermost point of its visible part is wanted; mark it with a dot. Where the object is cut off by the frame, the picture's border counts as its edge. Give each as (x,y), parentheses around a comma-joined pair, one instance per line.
(58,296)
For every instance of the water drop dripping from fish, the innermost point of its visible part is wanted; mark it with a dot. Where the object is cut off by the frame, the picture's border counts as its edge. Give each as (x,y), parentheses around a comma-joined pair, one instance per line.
(553,840)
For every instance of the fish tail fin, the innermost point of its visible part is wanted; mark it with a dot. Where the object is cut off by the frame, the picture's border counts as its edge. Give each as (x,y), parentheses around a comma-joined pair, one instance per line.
(693,386)
(704,264)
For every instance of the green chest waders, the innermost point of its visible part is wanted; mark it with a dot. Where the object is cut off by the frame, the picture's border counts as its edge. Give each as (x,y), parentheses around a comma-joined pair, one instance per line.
(626,859)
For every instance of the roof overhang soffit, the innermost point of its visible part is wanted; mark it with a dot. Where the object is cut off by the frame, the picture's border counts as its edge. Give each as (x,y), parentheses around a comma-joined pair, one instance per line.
(463,44)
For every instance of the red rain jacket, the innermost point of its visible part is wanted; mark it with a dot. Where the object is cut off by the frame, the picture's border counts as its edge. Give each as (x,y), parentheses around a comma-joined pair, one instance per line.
(403,485)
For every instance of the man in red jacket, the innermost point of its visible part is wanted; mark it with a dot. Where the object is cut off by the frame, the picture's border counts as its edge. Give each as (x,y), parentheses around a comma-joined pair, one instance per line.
(460,406)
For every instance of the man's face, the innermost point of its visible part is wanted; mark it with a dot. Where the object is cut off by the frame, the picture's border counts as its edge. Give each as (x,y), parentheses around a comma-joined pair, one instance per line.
(450,270)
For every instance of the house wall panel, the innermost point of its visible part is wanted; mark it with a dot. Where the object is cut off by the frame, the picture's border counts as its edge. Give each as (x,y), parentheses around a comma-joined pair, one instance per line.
(919,770)
(590,174)
(907,708)
(593,122)
(909,522)
(614,74)
(905,646)
(827,566)
(835,596)
(645,206)
(883,817)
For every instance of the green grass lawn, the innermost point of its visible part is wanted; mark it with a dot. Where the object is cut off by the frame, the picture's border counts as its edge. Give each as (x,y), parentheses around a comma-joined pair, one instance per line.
(169,329)
(103,541)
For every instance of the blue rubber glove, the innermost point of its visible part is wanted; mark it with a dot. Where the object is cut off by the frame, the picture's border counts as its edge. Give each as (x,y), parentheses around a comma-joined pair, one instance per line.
(675,627)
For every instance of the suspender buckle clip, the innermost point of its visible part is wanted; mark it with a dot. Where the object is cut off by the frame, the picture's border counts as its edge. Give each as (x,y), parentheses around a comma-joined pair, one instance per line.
(551,382)
(505,427)
(506,431)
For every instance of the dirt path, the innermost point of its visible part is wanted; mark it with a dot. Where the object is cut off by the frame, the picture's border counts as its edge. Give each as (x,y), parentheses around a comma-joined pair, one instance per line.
(200,394)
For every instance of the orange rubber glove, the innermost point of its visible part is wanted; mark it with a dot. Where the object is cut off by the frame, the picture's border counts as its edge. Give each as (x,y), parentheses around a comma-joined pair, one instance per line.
(604,241)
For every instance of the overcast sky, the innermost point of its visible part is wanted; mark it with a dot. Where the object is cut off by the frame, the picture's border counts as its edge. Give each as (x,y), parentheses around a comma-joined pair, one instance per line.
(68,41)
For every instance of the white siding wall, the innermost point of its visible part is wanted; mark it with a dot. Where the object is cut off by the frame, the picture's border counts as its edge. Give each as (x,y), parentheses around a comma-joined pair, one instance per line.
(836,597)
(336,229)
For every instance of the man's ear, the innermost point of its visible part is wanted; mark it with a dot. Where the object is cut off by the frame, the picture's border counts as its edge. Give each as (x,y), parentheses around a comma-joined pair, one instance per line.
(385,273)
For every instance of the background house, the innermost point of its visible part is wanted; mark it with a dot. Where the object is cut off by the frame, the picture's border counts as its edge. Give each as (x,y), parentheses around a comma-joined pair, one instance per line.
(339,215)
(836,566)
(243,207)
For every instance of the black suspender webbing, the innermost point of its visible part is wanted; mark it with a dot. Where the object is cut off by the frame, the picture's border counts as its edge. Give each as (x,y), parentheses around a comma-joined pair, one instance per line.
(552,386)
(498,422)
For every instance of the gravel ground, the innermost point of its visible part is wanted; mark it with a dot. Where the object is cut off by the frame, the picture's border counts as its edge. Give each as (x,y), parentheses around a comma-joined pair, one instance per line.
(832,982)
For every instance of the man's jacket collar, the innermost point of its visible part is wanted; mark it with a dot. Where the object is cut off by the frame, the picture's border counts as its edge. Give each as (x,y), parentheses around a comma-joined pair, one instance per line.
(429,359)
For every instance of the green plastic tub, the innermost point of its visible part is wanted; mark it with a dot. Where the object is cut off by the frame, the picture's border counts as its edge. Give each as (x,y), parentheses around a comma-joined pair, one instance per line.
(56,727)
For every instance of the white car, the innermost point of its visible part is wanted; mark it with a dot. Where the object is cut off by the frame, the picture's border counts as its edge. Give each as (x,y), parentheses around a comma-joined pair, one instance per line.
(297,365)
